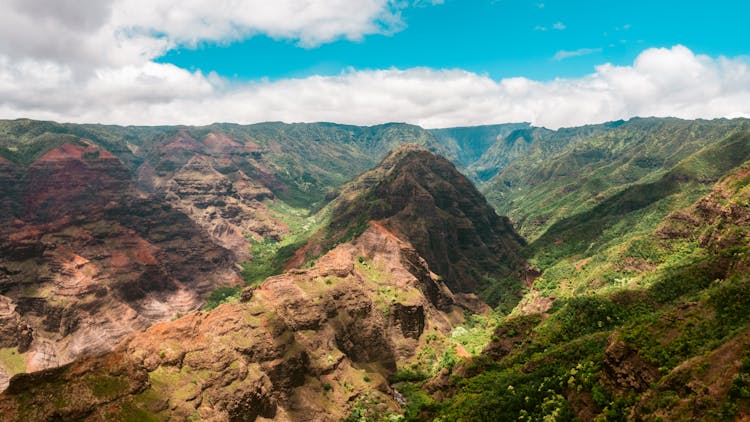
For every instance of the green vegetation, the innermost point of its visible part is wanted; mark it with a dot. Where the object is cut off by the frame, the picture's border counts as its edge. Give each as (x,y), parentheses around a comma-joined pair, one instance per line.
(565,173)
(476,332)
(268,258)
(12,361)
(105,387)
(641,266)
(222,295)
(268,255)
(366,408)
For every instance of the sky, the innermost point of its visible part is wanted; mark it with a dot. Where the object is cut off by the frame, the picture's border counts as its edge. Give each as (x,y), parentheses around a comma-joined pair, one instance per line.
(435,63)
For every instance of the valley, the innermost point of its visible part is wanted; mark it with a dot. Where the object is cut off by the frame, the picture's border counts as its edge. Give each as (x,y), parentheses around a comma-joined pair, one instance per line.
(335,272)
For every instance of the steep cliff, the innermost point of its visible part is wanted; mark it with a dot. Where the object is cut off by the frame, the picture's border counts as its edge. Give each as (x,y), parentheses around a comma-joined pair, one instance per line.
(86,259)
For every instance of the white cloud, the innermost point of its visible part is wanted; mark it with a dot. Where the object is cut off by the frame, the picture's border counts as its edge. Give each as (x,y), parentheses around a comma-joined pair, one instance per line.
(565,54)
(312,22)
(559,26)
(660,82)
(85,33)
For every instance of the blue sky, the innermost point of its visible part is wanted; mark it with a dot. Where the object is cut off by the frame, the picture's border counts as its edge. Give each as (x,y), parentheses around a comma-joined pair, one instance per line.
(499,38)
(435,63)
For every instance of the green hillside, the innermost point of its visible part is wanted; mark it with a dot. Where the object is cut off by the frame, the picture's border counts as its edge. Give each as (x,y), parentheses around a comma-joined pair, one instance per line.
(570,171)
(640,311)
(655,327)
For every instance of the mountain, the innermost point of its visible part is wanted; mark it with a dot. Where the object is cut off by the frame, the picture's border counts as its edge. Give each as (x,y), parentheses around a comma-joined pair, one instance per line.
(666,338)
(628,318)
(149,222)
(570,171)
(423,198)
(311,344)
(296,271)
(467,145)
(220,175)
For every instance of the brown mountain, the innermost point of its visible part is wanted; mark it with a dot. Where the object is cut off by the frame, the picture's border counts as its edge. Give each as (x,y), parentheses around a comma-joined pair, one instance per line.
(423,198)
(86,259)
(311,344)
(109,229)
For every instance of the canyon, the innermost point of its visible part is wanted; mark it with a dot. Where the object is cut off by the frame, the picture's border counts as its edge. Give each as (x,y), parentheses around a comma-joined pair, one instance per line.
(334,272)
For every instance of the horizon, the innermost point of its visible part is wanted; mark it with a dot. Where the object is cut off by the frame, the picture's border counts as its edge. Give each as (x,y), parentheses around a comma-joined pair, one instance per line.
(179,125)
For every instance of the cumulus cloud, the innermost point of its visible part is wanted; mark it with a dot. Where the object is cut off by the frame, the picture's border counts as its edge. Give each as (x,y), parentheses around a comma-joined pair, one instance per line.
(86,33)
(93,61)
(312,22)
(660,82)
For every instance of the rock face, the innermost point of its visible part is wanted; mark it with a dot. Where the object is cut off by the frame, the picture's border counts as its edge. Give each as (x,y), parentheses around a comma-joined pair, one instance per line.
(86,259)
(303,346)
(423,198)
(219,183)
(10,174)
(625,370)
(724,205)
(228,210)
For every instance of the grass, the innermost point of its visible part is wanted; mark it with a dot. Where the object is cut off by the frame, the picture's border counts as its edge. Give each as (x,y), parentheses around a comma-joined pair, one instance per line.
(12,361)
(107,387)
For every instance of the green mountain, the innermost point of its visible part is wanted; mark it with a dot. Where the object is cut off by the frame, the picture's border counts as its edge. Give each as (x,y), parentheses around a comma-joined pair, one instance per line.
(570,171)
(656,327)
(469,144)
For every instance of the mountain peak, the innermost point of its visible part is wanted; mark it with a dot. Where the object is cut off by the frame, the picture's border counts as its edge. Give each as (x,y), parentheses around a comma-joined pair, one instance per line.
(423,198)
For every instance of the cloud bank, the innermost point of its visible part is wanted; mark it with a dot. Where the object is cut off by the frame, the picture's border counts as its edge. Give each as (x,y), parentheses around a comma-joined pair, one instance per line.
(96,64)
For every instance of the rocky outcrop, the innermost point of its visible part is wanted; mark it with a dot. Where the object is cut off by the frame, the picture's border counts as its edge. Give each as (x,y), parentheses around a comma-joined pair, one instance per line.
(86,259)
(698,386)
(624,369)
(13,331)
(411,319)
(89,385)
(717,222)
(218,183)
(345,324)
